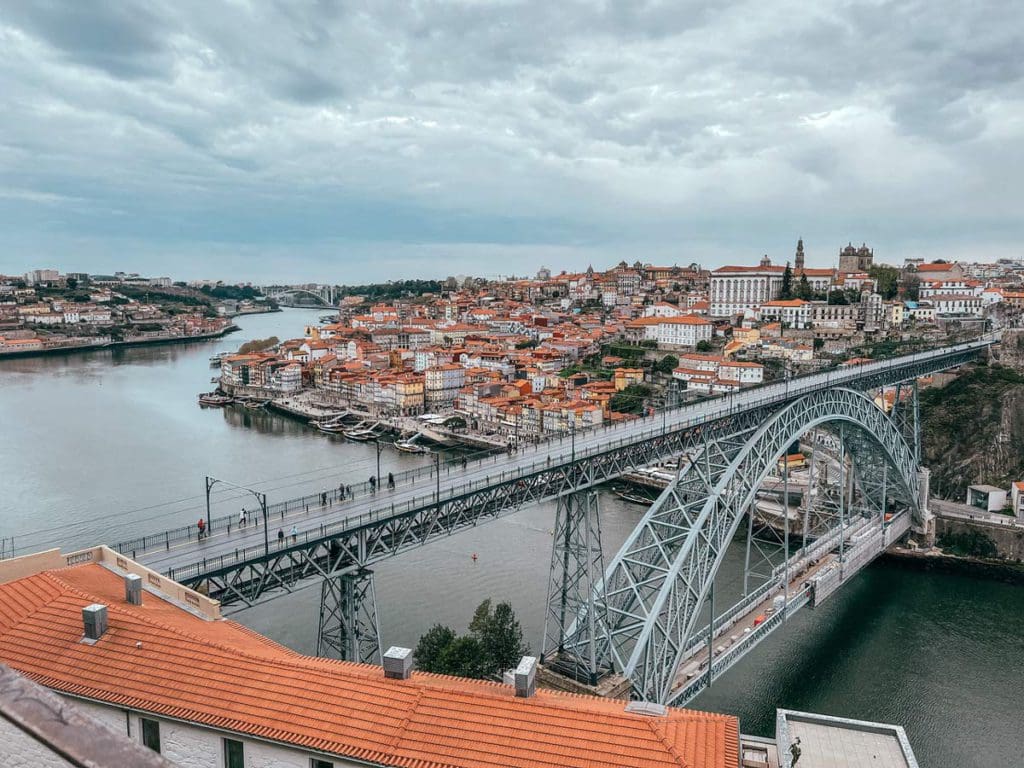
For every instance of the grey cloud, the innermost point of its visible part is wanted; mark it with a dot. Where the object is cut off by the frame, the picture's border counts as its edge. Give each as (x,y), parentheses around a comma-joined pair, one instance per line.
(593,117)
(124,39)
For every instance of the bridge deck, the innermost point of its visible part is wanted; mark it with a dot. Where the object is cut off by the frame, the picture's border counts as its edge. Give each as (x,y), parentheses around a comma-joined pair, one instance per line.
(736,634)
(420,491)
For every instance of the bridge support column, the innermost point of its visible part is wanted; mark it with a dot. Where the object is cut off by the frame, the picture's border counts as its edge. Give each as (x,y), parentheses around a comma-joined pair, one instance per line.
(577,565)
(348,618)
(924,521)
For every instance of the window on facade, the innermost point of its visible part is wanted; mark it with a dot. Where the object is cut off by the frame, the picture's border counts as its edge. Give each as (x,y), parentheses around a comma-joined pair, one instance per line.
(234,754)
(150,733)
(318,763)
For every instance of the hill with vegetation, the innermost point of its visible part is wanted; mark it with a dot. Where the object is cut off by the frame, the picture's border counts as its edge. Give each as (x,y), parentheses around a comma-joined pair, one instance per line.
(972,430)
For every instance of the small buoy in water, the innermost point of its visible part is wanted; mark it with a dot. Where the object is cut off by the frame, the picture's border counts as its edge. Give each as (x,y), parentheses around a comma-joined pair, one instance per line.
(474,557)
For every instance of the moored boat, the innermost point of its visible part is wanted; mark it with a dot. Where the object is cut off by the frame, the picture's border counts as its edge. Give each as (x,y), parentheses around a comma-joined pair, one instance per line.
(408,446)
(215,399)
(633,498)
(331,429)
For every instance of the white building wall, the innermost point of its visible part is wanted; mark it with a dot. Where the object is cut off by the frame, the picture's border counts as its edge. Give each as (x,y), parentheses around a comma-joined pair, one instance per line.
(195,746)
(19,750)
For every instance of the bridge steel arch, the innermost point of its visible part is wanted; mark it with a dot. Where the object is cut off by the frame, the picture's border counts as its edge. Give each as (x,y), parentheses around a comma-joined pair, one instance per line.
(652,594)
(325,299)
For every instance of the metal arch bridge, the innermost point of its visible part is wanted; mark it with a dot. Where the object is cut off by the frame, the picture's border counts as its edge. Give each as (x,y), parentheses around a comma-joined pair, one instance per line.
(323,293)
(644,622)
(640,618)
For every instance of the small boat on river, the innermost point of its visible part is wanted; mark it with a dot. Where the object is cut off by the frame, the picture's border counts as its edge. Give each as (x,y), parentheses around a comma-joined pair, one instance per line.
(411,446)
(362,433)
(331,428)
(634,498)
(215,399)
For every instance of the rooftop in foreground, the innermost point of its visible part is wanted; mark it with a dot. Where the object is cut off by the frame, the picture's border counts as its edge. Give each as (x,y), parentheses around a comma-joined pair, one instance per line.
(837,742)
(162,657)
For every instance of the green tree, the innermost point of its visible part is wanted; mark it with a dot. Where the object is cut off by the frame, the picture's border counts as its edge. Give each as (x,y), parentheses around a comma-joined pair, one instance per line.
(787,283)
(430,649)
(837,297)
(631,399)
(704,346)
(667,364)
(886,280)
(465,657)
(500,636)
(803,289)
(912,288)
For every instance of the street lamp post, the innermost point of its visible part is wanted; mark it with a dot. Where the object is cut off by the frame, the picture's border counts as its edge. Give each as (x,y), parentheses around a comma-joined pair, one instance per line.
(376,441)
(260,497)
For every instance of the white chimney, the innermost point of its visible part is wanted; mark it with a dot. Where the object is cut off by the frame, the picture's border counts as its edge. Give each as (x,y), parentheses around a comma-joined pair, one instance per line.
(133,589)
(94,619)
(647,708)
(398,663)
(526,677)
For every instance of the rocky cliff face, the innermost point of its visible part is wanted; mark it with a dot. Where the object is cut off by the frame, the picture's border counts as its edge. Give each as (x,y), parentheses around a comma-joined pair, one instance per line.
(1010,352)
(973,430)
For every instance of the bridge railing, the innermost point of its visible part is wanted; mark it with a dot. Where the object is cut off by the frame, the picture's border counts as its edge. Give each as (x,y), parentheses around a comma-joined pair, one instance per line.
(681,416)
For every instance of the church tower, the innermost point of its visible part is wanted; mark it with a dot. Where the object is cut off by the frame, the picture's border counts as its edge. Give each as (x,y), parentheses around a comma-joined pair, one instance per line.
(800,255)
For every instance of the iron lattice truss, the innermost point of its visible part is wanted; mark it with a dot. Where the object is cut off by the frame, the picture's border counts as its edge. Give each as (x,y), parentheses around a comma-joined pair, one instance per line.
(654,588)
(247,581)
(348,618)
(577,566)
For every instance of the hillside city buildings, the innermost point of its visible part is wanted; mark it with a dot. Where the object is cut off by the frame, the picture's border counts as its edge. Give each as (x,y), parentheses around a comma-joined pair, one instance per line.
(520,358)
(46,311)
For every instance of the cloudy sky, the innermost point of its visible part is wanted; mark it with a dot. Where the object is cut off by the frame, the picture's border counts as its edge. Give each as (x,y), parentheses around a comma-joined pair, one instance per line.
(349,141)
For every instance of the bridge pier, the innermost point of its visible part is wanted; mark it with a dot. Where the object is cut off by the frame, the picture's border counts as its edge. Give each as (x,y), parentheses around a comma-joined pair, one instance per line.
(348,618)
(577,566)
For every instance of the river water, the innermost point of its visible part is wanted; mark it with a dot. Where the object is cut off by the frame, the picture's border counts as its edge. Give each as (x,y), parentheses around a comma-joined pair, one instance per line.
(98,447)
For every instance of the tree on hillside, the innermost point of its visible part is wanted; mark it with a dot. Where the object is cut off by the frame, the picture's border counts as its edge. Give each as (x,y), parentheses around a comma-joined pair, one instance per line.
(704,346)
(912,288)
(837,297)
(631,399)
(787,283)
(886,280)
(803,289)
(667,364)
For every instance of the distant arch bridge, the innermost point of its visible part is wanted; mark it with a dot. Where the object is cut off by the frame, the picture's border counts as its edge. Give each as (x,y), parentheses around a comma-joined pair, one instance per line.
(289,295)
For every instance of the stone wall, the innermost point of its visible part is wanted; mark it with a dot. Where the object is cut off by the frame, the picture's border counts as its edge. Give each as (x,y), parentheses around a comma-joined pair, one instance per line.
(1009,540)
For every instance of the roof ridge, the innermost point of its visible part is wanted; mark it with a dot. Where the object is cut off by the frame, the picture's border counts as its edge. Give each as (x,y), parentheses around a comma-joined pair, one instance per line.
(404,725)
(151,621)
(658,729)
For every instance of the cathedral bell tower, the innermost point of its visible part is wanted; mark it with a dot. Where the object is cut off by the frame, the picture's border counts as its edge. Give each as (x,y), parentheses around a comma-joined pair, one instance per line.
(799,266)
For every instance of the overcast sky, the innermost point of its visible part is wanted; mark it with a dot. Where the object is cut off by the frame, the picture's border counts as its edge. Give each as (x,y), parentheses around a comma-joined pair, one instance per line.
(352,141)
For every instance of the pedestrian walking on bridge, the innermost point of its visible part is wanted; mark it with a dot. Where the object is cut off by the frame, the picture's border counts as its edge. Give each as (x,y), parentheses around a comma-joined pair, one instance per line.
(241,518)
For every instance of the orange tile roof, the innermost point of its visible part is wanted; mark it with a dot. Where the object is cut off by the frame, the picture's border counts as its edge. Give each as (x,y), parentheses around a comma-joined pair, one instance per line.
(220,674)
